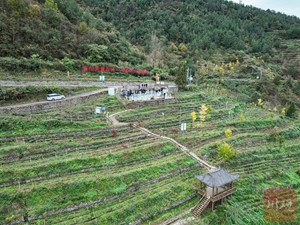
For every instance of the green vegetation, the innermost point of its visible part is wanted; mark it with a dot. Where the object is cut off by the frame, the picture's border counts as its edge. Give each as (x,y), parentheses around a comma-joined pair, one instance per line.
(163,36)
(206,31)
(57,35)
(68,166)
(226,151)
(47,166)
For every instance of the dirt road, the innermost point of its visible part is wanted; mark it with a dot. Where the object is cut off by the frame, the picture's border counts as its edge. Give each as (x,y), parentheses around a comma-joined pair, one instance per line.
(46,105)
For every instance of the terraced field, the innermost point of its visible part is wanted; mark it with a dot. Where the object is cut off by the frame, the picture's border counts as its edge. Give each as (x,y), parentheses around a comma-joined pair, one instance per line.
(72,167)
(261,162)
(78,169)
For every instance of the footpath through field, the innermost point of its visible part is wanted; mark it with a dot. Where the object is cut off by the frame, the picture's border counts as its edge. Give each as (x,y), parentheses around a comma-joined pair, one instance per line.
(115,122)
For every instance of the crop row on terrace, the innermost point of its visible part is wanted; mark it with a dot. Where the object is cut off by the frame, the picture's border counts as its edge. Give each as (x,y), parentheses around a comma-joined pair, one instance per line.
(53,199)
(93,149)
(67,165)
(112,210)
(30,152)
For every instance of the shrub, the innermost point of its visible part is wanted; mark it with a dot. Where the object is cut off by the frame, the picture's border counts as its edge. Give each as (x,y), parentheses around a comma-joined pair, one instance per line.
(226,151)
(277,80)
(242,117)
(228,133)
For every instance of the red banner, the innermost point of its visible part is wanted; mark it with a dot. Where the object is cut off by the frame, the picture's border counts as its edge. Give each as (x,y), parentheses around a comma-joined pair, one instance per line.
(112,70)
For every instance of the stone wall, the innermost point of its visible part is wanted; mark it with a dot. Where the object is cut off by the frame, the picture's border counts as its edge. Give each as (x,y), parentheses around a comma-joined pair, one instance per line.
(155,102)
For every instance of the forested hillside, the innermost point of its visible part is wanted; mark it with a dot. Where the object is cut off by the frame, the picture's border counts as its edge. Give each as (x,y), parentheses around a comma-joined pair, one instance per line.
(57,35)
(64,34)
(200,28)
(201,24)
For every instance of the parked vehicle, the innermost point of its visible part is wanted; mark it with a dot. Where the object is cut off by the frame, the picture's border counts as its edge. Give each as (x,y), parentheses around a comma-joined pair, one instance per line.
(54,96)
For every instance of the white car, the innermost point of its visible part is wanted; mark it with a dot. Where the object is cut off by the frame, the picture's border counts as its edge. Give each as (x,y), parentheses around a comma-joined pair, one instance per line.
(53,97)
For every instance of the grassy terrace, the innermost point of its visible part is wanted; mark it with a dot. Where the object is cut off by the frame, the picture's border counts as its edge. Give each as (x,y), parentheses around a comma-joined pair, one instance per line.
(69,166)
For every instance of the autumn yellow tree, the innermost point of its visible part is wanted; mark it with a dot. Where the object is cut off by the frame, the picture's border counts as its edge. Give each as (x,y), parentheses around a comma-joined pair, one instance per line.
(173,47)
(203,110)
(230,66)
(283,112)
(216,69)
(260,102)
(182,47)
(194,117)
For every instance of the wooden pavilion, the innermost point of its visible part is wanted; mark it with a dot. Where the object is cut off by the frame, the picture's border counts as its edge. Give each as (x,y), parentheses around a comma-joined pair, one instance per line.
(215,186)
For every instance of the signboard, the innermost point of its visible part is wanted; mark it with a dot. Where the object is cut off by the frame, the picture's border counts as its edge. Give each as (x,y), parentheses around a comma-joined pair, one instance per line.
(97,110)
(111,91)
(183,127)
(113,70)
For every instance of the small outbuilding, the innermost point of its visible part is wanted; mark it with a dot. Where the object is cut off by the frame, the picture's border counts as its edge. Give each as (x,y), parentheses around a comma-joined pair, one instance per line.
(215,186)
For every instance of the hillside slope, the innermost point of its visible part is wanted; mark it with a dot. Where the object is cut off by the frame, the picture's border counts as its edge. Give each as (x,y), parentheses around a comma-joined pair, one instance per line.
(201,28)
(201,23)
(57,35)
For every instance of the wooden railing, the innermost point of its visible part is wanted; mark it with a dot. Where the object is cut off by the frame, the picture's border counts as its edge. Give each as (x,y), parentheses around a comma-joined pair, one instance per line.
(202,192)
(223,194)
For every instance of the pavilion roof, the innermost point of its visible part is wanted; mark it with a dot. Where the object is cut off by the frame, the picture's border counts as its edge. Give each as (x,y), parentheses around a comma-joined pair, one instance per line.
(217,178)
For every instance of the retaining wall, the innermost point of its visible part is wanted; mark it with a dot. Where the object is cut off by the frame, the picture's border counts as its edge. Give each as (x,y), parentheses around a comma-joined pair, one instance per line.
(48,105)
(155,102)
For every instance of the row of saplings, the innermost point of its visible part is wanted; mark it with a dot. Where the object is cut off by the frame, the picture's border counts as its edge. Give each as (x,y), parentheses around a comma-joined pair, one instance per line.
(225,150)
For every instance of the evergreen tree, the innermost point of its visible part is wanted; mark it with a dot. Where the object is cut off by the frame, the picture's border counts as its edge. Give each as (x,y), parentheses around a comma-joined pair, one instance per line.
(291,112)
(181,77)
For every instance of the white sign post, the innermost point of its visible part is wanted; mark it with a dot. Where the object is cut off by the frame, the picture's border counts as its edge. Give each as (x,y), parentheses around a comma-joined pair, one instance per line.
(183,127)
(97,110)
(111,91)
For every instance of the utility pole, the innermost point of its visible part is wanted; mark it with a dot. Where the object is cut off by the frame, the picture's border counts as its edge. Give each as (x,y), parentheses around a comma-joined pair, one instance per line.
(187,74)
